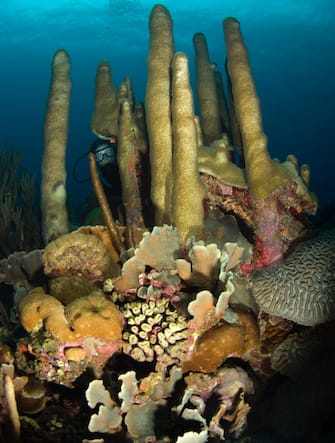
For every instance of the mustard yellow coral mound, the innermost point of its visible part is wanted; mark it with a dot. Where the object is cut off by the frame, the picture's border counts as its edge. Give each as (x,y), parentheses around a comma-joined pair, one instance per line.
(92,315)
(38,310)
(223,341)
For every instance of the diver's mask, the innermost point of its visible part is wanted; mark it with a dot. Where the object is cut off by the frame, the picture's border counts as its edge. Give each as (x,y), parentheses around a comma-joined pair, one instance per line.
(105,151)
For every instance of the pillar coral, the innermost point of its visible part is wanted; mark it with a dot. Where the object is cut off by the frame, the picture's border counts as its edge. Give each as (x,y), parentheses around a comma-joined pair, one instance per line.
(106,104)
(276,190)
(53,189)
(206,90)
(158,111)
(128,160)
(222,103)
(188,191)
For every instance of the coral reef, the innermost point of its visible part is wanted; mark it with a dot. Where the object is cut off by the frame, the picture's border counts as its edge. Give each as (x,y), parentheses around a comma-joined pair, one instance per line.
(178,319)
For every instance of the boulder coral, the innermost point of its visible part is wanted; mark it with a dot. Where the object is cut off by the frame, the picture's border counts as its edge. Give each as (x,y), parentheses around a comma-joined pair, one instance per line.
(64,341)
(223,341)
(78,254)
(92,315)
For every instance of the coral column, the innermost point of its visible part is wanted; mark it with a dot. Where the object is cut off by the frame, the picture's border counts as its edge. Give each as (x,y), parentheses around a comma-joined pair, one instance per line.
(158,111)
(188,191)
(278,194)
(53,189)
(106,104)
(206,88)
(247,108)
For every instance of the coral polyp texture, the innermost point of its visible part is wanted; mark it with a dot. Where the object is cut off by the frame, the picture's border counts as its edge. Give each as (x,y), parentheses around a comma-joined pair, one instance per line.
(155,331)
(205,282)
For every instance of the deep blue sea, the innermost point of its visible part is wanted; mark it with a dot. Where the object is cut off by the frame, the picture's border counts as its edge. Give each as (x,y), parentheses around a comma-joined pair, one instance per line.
(291,46)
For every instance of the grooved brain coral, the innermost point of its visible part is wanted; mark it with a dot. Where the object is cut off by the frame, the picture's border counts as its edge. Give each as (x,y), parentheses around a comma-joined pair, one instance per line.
(302,289)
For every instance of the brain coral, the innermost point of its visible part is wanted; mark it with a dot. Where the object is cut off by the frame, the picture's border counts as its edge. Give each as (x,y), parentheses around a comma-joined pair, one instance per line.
(302,289)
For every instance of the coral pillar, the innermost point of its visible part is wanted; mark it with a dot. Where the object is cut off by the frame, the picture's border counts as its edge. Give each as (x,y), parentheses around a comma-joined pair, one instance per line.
(128,159)
(206,89)
(276,190)
(53,190)
(188,191)
(263,175)
(158,112)
(106,105)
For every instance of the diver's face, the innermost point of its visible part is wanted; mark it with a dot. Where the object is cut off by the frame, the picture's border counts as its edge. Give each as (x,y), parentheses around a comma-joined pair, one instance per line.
(104,154)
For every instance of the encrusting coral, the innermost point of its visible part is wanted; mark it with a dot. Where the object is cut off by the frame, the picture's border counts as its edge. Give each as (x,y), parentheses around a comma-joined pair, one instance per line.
(223,341)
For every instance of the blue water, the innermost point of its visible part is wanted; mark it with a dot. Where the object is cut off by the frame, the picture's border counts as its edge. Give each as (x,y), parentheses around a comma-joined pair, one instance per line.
(291,45)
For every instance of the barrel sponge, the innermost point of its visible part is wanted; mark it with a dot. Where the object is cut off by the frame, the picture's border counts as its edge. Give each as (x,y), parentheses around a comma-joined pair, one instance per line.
(79,254)
(95,316)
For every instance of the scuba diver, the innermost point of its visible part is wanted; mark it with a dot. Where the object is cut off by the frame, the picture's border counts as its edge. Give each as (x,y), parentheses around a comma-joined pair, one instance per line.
(105,152)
